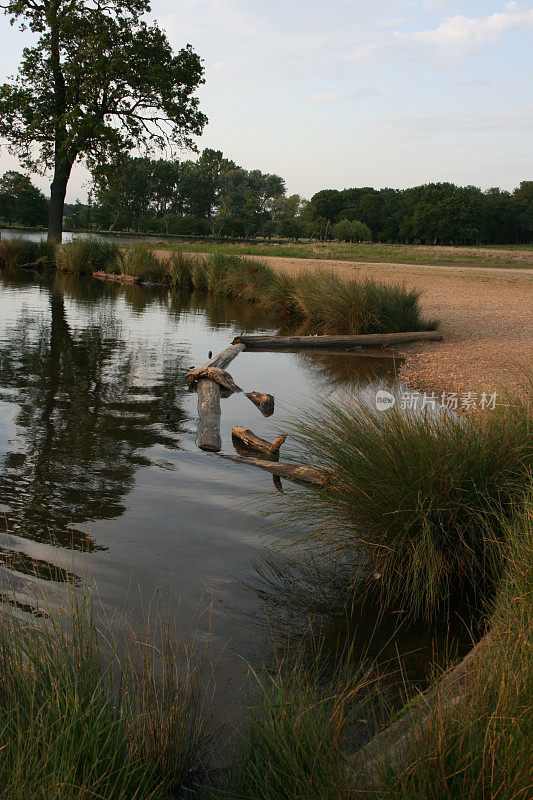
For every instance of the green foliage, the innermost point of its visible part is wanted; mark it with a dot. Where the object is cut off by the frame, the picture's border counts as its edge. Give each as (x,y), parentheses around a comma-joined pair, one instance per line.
(481,749)
(21,203)
(352,231)
(14,252)
(179,270)
(292,745)
(85,255)
(141,262)
(199,275)
(90,86)
(70,727)
(323,303)
(420,493)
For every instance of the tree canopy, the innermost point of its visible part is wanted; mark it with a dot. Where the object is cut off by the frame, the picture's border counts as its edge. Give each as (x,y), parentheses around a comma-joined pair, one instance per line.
(21,203)
(98,82)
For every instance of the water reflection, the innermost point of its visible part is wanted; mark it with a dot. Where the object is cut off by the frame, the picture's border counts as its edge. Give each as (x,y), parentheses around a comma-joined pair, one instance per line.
(84,419)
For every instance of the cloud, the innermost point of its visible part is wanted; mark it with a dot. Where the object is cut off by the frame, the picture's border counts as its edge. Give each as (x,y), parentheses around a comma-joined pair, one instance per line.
(326,98)
(458,36)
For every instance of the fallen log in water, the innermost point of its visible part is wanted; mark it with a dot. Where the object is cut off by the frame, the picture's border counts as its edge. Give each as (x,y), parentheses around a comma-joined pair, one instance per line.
(343,342)
(298,473)
(254,442)
(111,276)
(208,434)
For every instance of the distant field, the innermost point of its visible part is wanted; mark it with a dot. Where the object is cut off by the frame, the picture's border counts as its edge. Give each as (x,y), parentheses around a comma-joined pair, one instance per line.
(520,256)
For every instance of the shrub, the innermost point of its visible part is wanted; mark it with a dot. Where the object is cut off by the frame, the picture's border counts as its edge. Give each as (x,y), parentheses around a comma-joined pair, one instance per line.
(17,251)
(420,493)
(347,230)
(141,262)
(83,256)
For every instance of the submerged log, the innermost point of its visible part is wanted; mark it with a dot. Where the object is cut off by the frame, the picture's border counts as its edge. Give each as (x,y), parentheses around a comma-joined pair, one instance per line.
(264,402)
(250,440)
(298,473)
(343,342)
(208,435)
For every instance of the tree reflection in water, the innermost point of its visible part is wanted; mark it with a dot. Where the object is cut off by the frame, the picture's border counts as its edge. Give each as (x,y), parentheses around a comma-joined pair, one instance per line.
(85,417)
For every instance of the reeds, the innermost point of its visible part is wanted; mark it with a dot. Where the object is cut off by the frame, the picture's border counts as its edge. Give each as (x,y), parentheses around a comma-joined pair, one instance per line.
(71,726)
(83,256)
(481,748)
(17,251)
(420,494)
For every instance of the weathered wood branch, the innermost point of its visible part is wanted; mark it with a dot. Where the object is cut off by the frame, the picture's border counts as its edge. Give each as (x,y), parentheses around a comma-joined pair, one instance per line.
(298,473)
(250,440)
(264,402)
(342,342)
(208,435)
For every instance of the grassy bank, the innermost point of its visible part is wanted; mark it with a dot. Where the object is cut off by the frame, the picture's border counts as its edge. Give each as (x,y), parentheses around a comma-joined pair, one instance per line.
(86,713)
(300,729)
(374,253)
(313,303)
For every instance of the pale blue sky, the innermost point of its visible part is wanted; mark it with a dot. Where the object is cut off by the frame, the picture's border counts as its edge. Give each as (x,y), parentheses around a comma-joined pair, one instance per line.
(355,92)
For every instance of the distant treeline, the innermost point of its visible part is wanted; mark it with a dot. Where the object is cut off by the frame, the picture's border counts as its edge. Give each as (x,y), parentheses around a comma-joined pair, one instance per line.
(213,196)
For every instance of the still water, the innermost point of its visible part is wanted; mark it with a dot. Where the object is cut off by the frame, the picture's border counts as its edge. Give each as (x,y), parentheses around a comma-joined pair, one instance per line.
(100,477)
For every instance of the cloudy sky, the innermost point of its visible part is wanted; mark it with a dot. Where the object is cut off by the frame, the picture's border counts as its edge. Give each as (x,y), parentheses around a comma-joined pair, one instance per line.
(335,93)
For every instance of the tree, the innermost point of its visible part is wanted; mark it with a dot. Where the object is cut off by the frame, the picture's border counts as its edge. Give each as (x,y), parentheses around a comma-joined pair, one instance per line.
(352,231)
(20,201)
(98,82)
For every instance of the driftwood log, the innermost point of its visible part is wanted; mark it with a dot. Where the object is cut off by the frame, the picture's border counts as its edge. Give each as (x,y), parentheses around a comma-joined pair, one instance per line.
(208,435)
(343,342)
(253,442)
(298,473)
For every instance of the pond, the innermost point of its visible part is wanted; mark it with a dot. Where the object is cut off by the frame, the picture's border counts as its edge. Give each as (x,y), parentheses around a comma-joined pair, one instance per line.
(100,477)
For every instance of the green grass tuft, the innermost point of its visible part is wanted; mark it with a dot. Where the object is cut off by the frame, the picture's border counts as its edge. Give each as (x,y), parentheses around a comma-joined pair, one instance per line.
(141,262)
(420,493)
(83,256)
(14,252)
(70,727)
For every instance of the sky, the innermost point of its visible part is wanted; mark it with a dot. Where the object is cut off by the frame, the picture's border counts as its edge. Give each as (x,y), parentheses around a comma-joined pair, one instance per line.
(353,92)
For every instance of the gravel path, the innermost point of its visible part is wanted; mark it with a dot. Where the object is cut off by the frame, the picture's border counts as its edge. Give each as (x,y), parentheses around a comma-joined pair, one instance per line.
(485,315)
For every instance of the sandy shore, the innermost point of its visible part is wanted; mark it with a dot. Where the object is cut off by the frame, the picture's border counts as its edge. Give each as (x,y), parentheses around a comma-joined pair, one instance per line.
(485,315)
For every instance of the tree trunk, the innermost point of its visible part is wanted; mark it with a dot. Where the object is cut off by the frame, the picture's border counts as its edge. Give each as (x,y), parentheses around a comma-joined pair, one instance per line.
(58,191)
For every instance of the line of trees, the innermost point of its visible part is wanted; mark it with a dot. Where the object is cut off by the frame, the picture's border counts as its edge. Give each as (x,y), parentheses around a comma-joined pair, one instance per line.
(213,196)
(436,213)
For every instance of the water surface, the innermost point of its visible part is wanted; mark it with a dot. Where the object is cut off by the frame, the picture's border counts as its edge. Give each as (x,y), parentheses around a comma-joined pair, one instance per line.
(99,472)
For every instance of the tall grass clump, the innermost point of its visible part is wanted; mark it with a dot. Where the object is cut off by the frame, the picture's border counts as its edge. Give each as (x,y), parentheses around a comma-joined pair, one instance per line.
(292,745)
(142,263)
(83,256)
(72,727)
(17,251)
(179,270)
(242,279)
(199,276)
(324,303)
(482,748)
(420,493)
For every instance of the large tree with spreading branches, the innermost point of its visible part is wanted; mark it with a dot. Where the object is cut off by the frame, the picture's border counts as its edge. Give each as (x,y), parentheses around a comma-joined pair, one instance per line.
(98,81)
